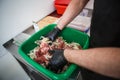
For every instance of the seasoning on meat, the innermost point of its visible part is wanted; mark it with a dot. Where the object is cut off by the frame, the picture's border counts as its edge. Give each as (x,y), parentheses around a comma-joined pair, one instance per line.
(41,55)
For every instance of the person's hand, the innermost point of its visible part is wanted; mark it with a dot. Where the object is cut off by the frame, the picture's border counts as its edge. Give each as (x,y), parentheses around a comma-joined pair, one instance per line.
(58,61)
(52,35)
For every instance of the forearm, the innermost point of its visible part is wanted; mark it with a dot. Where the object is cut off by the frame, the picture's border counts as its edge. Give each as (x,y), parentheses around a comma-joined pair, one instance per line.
(74,8)
(105,61)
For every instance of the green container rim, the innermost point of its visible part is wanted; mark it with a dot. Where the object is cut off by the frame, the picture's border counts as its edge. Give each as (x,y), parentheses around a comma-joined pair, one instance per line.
(44,71)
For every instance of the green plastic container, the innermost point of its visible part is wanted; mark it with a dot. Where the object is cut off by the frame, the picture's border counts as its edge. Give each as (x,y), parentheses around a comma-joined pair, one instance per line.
(69,34)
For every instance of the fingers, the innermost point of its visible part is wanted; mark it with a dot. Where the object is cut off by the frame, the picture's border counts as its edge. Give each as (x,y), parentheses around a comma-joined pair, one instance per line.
(51,51)
(56,51)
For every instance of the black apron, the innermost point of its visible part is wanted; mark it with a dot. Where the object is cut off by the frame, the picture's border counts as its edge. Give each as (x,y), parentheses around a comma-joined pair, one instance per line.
(105,31)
